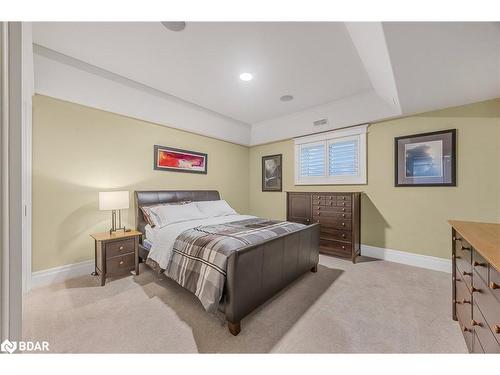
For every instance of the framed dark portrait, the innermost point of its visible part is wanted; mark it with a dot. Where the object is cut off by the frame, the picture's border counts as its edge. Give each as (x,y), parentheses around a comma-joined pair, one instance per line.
(271,173)
(426,159)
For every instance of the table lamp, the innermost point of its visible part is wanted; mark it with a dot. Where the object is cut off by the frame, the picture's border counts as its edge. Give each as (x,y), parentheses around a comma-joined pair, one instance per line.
(114,201)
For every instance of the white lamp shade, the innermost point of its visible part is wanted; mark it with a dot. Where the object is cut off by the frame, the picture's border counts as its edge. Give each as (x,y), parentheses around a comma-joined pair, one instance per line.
(113,200)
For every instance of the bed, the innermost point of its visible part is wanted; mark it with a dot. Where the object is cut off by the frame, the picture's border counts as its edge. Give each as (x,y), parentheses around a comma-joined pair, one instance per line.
(254,271)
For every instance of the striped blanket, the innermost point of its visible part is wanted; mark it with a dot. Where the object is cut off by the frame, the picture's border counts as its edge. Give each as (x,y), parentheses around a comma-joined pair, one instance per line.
(200,255)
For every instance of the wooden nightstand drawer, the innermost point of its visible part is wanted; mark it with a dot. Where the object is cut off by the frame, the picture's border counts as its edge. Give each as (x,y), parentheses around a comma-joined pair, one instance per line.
(120,264)
(117,248)
(116,253)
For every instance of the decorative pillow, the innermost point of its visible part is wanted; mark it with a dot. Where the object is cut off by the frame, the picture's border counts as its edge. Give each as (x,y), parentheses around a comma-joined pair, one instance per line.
(174,213)
(215,208)
(149,215)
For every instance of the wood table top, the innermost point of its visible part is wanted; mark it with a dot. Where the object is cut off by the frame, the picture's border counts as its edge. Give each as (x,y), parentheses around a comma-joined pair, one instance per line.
(484,237)
(105,236)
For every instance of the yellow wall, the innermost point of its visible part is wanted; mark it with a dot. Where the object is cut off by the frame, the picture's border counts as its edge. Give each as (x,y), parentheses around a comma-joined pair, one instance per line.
(79,151)
(412,219)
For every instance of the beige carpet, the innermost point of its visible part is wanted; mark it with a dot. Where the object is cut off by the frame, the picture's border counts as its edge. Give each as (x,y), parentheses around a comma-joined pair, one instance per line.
(370,307)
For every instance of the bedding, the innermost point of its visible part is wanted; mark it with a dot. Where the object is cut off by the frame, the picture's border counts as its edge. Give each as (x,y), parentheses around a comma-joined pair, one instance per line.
(195,254)
(215,208)
(150,232)
(166,214)
(148,244)
(150,212)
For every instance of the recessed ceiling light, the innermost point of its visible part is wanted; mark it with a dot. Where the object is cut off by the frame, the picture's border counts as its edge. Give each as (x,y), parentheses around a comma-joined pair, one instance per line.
(246,76)
(286,98)
(174,26)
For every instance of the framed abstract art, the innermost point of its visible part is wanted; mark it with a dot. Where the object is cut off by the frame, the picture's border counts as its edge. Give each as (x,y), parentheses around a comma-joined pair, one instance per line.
(177,160)
(426,159)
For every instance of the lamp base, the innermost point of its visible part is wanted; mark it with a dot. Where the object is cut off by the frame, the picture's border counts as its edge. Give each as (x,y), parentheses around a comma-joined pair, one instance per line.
(114,229)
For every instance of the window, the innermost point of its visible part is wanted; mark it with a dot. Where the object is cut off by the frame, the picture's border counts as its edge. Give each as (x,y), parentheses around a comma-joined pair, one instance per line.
(336,157)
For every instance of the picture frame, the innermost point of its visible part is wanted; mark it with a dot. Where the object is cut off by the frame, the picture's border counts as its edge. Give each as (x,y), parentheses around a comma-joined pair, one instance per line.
(272,179)
(178,160)
(425,159)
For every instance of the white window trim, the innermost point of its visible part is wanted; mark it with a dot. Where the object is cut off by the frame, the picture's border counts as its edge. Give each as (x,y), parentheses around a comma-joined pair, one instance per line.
(355,131)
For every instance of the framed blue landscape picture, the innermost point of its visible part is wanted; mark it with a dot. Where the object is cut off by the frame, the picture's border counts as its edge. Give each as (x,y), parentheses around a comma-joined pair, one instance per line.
(426,159)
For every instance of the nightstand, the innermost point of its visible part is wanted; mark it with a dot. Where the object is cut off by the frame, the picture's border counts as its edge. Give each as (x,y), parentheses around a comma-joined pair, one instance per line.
(116,253)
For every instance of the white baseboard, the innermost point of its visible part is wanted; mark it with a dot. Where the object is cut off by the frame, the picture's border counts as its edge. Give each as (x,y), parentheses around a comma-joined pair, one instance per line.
(411,259)
(70,271)
(60,274)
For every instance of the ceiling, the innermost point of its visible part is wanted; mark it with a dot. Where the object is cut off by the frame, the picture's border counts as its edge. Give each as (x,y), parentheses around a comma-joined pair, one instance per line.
(315,62)
(346,72)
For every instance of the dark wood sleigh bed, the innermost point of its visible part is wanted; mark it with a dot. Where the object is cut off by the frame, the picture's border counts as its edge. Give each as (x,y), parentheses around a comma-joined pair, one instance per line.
(255,272)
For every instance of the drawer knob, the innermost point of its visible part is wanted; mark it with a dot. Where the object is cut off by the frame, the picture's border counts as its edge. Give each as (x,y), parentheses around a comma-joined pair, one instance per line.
(477,264)
(496,328)
(343,215)
(462,302)
(121,262)
(466,248)
(121,247)
(343,235)
(456,239)
(467,273)
(474,323)
(343,209)
(343,247)
(465,329)
(493,285)
(473,290)
(343,224)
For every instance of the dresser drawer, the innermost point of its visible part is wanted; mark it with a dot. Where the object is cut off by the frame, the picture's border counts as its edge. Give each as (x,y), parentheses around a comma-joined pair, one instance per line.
(332,208)
(324,202)
(335,234)
(477,348)
(463,295)
(340,203)
(342,198)
(117,248)
(463,255)
(482,329)
(337,247)
(480,265)
(468,334)
(333,222)
(120,264)
(465,278)
(488,304)
(333,214)
(494,282)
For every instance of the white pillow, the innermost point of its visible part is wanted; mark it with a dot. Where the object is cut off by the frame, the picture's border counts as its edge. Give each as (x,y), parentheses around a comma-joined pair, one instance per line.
(215,208)
(174,213)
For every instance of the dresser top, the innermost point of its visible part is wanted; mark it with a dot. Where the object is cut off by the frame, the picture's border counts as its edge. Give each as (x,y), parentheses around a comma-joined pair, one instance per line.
(484,237)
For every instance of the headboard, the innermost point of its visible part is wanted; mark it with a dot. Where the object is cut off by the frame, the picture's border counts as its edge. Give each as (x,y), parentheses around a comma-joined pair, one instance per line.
(147,198)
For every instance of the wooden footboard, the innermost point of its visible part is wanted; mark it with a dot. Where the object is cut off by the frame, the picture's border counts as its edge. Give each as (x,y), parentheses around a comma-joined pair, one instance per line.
(257,272)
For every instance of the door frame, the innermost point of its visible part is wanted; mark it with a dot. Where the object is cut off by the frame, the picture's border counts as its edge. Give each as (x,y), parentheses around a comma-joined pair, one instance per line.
(11,180)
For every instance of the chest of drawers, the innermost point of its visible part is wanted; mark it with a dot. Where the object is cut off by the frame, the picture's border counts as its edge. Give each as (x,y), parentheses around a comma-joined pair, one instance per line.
(476,284)
(338,214)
